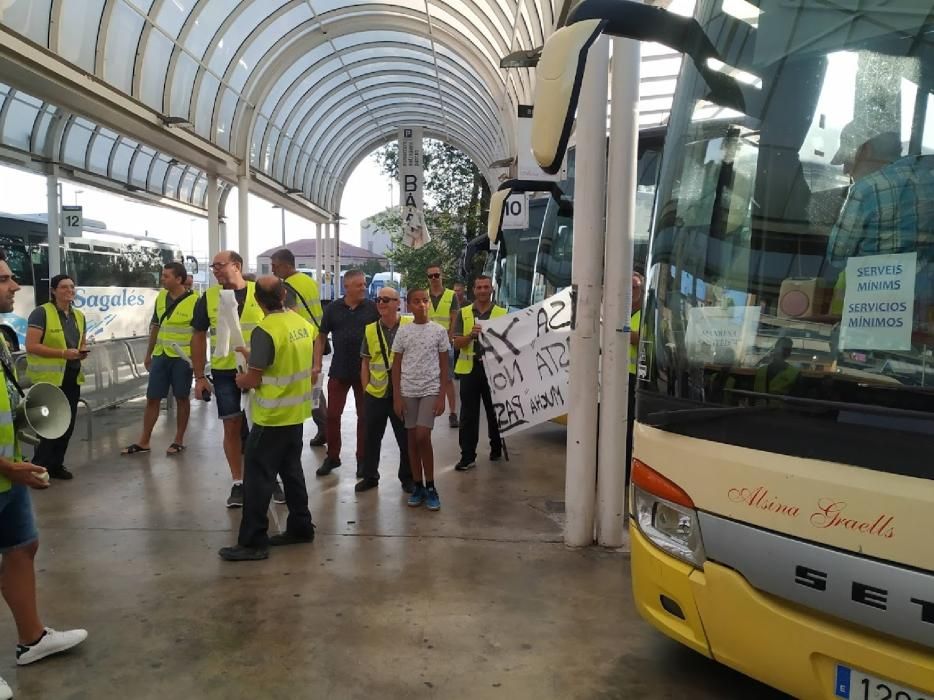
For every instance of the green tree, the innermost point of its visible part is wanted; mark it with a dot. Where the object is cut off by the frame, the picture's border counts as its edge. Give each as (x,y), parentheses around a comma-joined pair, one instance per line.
(457,201)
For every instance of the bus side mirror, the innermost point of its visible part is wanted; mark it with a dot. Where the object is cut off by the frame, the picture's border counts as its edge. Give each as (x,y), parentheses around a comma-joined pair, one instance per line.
(193,264)
(560,70)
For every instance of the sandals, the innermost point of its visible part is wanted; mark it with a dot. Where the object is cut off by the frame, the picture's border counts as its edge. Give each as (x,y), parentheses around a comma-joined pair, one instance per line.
(174,449)
(134,449)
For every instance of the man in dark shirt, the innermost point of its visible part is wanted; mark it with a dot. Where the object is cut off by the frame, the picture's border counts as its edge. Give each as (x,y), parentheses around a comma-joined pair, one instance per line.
(346,319)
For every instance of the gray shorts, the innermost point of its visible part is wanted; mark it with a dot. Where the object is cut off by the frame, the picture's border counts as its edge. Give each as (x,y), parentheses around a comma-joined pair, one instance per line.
(420,411)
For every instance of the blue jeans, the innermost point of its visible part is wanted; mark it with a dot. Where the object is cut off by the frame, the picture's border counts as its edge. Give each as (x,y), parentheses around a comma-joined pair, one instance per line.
(17,523)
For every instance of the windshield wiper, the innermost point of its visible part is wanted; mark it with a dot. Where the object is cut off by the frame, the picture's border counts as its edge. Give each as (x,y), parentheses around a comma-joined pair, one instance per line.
(837,405)
(660,419)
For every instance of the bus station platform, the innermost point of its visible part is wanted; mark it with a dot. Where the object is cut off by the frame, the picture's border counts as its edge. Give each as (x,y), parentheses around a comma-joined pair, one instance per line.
(479,600)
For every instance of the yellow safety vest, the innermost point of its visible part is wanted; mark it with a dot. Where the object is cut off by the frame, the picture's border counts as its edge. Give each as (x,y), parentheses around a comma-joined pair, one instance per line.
(465,359)
(284,396)
(307,289)
(9,447)
(780,385)
(634,321)
(176,327)
(379,372)
(442,314)
(250,317)
(52,369)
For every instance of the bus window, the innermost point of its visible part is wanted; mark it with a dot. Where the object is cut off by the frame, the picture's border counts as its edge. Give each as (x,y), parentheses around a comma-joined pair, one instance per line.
(18,259)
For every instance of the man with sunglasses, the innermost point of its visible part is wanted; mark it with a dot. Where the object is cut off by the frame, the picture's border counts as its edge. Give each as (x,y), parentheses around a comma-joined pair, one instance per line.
(227,267)
(376,354)
(443,311)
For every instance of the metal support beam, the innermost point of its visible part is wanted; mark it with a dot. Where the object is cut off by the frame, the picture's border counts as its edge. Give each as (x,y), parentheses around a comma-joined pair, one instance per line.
(243,223)
(319,277)
(586,283)
(617,294)
(337,251)
(214,234)
(55,245)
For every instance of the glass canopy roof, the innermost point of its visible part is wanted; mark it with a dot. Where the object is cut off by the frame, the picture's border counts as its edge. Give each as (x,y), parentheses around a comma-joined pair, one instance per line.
(300,89)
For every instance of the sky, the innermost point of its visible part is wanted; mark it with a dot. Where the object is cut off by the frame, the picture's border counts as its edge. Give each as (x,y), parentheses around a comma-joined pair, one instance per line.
(367,192)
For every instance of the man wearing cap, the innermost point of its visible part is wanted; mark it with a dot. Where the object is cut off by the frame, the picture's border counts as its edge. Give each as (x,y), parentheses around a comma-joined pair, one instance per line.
(890,205)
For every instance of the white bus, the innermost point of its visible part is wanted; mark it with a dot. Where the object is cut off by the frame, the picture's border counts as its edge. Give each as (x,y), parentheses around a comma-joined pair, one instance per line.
(117,275)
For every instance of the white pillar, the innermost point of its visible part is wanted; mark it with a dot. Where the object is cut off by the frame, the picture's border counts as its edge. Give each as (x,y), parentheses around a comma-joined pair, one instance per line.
(337,247)
(586,280)
(214,229)
(617,294)
(318,256)
(327,260)
(243,194)
(222,233)
(282,211)
(53,208)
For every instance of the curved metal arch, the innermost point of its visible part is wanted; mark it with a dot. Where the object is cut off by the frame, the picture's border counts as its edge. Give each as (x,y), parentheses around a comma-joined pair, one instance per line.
(338,119)
(334,195)
(300,133)
(317,187)
(477,92)
(459,100)
(355,11)
(395,112)
(257,87)
(423,114)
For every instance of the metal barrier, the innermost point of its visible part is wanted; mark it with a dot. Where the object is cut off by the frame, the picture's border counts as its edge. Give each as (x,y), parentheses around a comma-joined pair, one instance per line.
(113,374)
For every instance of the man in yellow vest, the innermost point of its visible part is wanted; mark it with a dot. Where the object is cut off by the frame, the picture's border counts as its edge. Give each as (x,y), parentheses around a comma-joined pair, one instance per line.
(443,311)
(374,375)
(472,377)
(169,331)
(19,539)
(281,376)
(779,376)
(55,346)
(301,295)
(228,271)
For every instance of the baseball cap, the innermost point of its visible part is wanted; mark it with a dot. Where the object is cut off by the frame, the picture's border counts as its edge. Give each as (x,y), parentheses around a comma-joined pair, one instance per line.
(886,145)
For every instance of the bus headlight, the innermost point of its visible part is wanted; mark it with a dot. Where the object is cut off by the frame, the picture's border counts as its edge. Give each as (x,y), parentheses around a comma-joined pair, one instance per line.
(666,515)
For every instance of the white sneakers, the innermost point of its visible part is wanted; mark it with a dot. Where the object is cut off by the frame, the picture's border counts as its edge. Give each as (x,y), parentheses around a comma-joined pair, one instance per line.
(5,691)
(52,642)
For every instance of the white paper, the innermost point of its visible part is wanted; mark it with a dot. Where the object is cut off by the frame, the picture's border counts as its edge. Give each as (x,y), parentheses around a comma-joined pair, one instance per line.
(878,306)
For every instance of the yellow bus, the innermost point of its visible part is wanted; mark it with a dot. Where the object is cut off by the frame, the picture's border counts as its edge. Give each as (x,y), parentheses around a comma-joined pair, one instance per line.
(782,491)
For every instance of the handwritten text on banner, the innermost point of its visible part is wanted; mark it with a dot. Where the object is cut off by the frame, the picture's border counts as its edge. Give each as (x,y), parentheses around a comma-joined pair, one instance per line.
(526,359)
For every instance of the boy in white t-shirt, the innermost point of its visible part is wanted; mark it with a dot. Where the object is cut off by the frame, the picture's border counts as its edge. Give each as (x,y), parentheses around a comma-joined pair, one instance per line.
(419,370)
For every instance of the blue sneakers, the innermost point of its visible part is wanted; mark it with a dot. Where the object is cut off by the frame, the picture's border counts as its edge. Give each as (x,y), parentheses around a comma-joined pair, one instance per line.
(432,500)
(418,496)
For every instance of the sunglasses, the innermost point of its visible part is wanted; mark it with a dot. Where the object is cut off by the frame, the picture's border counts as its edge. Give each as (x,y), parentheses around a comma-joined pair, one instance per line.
(434,276)
(385,300)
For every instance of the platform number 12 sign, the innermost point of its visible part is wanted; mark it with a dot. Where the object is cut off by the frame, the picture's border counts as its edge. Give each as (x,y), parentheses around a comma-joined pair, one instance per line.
(72,220)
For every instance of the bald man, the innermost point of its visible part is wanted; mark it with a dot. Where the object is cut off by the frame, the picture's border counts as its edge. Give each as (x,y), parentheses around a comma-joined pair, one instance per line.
(280,377)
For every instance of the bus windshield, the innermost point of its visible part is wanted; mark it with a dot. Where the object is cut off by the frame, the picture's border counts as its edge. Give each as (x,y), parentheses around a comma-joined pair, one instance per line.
(515,260)
(792,258)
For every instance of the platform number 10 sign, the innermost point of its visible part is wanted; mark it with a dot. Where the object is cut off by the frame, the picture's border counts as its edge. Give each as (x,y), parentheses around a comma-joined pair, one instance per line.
(516,212)
(72,221)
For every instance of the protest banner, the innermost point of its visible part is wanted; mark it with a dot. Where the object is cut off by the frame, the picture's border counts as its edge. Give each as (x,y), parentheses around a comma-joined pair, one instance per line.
(526,356)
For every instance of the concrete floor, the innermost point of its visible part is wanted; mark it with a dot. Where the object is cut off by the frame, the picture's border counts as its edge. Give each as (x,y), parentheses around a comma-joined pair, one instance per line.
(479,600)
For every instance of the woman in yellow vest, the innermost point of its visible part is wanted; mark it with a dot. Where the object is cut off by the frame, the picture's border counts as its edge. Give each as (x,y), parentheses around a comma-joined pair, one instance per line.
(280,371)
(55,346)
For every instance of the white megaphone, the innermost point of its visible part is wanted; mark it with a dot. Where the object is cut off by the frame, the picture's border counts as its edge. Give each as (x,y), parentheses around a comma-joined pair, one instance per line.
(44,412)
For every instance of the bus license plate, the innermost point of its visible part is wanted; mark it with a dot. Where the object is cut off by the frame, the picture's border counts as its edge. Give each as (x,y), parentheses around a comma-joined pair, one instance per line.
(855,685)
